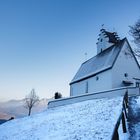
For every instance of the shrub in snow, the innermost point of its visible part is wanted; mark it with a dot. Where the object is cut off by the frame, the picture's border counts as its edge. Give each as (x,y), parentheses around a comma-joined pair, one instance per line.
(57,95)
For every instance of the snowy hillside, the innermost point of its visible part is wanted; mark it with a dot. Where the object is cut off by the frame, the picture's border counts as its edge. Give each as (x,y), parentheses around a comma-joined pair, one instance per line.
(88,120)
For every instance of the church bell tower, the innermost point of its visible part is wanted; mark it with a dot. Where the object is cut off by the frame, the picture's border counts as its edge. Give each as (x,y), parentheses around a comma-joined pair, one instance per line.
(106,39)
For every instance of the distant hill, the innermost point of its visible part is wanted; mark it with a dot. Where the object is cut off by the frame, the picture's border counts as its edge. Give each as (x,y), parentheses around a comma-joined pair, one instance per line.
(15,108)
(5,116)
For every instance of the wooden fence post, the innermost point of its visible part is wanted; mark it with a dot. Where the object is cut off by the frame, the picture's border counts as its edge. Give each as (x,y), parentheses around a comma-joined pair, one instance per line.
(126,99)
(124,108)
(123,123)
(116,135)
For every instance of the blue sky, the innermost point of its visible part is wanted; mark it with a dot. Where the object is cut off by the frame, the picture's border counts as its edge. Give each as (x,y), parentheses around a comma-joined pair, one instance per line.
(43,42)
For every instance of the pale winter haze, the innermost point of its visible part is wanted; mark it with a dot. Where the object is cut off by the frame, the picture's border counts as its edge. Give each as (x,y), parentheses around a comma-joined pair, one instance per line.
(43,43)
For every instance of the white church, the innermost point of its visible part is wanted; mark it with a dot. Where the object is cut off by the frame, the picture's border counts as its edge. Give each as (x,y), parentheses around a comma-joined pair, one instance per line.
(113,67)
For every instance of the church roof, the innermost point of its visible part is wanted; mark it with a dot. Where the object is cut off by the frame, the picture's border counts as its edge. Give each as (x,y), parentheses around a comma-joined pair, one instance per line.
(99,63)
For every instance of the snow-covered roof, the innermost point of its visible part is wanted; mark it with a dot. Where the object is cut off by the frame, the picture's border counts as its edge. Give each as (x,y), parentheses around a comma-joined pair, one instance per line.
(98,63)
(87,120)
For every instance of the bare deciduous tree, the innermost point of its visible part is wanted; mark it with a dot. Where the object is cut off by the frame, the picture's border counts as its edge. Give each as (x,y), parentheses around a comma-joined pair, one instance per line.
(135,33)
(31,100)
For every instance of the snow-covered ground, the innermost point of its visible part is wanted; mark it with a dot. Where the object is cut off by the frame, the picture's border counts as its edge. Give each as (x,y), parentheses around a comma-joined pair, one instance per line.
(88,120)
(134,118)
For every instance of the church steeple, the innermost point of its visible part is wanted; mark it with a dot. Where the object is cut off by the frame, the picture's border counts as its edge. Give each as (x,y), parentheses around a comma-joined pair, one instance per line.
(106,39)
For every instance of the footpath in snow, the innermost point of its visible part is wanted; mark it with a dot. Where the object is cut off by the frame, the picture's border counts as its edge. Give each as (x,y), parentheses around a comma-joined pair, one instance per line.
(87,120)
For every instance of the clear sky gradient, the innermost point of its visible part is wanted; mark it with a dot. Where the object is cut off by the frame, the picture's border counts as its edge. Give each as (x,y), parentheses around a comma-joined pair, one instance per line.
(43,42)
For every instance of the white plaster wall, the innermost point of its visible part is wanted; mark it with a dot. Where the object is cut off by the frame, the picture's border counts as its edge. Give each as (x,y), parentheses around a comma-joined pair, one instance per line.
(109,93)
(78,88)
(103,83)
(124,64)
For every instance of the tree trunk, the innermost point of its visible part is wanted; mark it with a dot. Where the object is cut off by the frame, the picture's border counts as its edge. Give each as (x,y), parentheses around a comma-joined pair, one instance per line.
(29,112)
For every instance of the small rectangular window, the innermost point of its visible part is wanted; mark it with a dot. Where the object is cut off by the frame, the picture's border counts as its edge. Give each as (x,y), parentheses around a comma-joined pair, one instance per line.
(137,84)
(86,87)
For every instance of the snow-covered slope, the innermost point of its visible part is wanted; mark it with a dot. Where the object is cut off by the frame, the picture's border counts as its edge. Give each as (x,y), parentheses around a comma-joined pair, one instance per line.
(88,120)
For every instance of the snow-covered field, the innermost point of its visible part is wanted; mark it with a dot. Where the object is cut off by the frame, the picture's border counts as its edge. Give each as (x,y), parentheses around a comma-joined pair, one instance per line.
(88,120)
